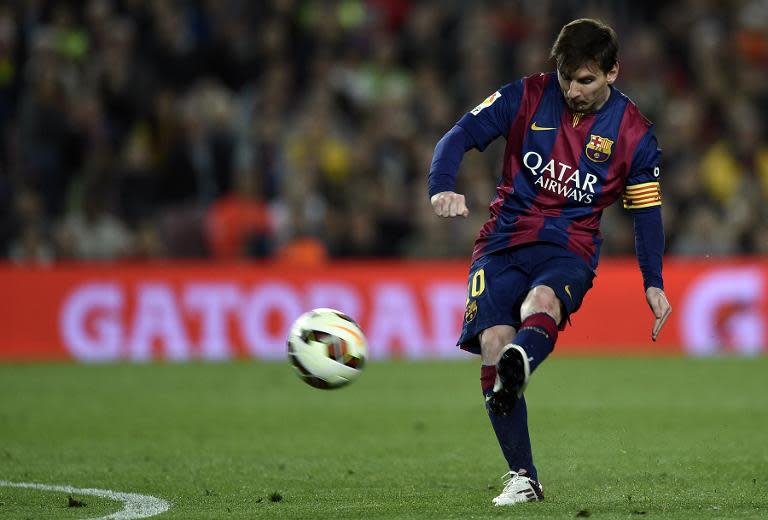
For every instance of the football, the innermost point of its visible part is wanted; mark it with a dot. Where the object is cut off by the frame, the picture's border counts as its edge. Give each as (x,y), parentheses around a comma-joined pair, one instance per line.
(327,348)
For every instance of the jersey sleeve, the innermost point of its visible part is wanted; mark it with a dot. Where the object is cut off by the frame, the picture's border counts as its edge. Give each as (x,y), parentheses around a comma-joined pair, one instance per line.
(643,189)
(493,117)
(447,158)
(649,245)
(642,195)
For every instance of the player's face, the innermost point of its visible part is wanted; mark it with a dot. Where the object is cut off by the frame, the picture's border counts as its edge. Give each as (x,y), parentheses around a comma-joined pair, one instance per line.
(587,88)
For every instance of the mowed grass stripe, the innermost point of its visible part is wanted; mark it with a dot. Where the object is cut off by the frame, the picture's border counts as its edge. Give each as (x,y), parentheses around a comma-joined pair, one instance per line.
(613,438)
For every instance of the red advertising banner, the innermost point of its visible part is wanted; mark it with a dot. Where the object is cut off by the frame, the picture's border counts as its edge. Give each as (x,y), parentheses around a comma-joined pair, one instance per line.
(182,311)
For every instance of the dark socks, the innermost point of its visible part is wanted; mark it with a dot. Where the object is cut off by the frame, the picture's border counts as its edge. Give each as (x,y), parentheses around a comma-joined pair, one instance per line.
(537,336)
(511,430)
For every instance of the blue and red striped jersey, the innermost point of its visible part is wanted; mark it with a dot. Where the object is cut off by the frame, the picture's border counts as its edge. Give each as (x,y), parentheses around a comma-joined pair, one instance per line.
(561,168)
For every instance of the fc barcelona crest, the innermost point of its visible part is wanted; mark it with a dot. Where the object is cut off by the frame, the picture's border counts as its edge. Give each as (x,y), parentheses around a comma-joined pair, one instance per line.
(598,148)
(471,311)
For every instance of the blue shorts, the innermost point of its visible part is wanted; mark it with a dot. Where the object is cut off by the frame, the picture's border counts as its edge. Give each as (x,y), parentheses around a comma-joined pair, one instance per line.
(500,281)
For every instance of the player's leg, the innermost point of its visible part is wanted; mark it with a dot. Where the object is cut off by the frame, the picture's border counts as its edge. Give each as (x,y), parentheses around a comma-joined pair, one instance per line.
(540,315)
(559,283)
(511,429)
(497,286)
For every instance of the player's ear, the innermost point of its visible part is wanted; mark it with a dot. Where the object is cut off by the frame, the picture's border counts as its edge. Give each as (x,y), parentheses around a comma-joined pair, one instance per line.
(613,73)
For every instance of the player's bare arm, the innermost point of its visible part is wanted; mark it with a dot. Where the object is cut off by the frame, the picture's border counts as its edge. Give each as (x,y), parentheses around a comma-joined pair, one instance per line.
(660,307)
(449,204)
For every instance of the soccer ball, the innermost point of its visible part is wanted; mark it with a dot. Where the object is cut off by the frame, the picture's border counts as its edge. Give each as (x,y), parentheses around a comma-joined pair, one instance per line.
(327,348)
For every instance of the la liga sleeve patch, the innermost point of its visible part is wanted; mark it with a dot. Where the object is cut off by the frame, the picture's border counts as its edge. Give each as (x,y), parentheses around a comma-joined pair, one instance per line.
(486,103)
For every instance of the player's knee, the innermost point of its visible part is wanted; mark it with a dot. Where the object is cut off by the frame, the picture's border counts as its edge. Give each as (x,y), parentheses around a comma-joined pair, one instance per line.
(541,299)
(493,340)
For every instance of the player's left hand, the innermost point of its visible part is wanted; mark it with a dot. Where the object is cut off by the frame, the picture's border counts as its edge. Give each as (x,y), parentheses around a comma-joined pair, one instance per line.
(661,308)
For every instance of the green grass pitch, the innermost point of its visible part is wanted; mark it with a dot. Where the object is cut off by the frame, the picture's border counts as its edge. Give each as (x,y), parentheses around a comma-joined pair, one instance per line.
(613,438)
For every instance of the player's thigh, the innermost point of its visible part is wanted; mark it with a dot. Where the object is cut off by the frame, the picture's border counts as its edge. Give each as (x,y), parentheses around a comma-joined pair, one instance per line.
(495,289)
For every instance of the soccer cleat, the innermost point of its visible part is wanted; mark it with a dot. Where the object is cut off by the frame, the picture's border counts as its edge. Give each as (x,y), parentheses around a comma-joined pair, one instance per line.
(512,373)
(518,487)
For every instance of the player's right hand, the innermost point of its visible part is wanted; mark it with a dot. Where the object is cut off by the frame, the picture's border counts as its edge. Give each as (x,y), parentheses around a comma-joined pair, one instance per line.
(449,204)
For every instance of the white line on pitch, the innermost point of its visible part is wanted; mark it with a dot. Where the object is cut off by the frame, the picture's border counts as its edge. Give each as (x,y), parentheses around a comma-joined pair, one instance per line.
(134,505)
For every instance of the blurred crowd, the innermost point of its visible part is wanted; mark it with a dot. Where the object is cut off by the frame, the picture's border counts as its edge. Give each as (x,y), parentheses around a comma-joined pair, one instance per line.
(303,129)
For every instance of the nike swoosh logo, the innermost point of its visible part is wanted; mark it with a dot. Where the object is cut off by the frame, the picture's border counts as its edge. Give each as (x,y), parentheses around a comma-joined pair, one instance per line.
(534,126)
(568,291)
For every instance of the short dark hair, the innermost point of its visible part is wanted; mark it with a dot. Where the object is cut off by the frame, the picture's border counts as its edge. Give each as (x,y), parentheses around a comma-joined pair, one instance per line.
(585,41)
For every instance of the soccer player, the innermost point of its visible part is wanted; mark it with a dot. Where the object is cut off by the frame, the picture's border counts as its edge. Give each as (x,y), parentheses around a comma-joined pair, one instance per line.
(575,144)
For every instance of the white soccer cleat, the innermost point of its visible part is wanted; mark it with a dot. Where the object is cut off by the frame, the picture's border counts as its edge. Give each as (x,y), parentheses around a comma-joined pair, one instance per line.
(519,488)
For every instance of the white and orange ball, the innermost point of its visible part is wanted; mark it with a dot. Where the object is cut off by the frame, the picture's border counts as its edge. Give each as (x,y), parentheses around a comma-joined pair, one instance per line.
(327,348)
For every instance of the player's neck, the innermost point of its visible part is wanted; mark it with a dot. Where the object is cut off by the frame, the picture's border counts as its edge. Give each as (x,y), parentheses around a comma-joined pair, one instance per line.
(600,105)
